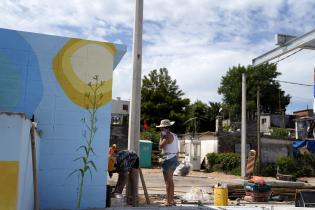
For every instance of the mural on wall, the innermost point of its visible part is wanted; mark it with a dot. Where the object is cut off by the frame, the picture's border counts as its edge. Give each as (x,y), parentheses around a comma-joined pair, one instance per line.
(49,77)
(75,66)
(93,97)
(17,92)
(8,182)
(16,191)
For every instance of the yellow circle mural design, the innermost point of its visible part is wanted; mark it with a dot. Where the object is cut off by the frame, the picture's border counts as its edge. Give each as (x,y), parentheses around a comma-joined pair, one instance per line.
(78,62)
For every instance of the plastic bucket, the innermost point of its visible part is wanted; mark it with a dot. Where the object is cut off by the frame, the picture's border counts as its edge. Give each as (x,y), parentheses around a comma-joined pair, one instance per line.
(220,196)
(118,201)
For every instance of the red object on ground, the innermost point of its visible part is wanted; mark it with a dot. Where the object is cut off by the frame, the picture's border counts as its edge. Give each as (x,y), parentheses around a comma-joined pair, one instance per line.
(257,180)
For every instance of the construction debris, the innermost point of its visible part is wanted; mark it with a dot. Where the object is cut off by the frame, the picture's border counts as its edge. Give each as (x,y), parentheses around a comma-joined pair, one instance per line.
(197,195)
(256,190)
(286,190)
(183,169)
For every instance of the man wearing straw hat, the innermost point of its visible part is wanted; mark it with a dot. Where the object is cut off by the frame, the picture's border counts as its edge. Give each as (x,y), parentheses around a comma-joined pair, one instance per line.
(169,145)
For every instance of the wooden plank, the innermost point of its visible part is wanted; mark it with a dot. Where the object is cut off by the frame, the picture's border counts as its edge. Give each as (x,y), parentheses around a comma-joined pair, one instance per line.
(144,187)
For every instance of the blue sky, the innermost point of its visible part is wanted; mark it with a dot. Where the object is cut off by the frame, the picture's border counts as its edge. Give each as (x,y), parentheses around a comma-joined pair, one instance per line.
(197,40)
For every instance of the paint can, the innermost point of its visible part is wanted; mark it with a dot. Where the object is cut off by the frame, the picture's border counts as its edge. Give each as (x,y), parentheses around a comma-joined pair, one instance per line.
(220,195)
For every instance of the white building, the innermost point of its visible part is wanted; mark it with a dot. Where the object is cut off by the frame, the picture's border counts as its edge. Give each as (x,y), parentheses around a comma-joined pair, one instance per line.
(120,109)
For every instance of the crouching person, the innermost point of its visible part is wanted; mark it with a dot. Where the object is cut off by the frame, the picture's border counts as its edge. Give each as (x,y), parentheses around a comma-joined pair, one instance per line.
(127,167)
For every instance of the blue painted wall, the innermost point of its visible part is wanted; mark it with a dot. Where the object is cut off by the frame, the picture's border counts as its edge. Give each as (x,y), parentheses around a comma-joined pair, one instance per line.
(30,83)
(15,146)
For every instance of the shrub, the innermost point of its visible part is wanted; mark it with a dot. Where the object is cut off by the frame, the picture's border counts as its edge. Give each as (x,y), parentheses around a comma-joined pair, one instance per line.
(217,167)
(211,158)
(229,161)
(226,127)
(280,132)
(267,169)
(236,171)
(304,170)
(302,165)
(225,162)
(286,165)
(153,136)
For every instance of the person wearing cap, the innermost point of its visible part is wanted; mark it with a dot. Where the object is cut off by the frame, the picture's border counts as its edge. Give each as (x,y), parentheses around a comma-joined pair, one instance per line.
(169,145)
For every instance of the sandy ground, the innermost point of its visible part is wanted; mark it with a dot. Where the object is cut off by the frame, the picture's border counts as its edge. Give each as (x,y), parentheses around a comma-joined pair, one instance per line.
(155,183)
(196,180)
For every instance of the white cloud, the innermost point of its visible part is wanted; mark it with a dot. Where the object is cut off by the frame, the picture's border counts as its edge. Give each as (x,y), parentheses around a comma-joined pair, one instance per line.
(196,40)
(54,16)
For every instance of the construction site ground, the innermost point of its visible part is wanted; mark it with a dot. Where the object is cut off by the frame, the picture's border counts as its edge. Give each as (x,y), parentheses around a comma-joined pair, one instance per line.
(196,180)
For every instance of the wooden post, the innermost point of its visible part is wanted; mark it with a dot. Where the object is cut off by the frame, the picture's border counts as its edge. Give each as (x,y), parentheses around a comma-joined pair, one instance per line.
(36,204)
(144,187)
(250,165)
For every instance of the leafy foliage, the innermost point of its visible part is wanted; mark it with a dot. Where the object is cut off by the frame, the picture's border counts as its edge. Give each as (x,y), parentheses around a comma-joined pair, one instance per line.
(226,162)
(153,136)
(280,132)
(302,165)
(286,165)
(205,116)
(263,76)
(162,98)
(93,97)
(267,169)
(214,111)
(198,117)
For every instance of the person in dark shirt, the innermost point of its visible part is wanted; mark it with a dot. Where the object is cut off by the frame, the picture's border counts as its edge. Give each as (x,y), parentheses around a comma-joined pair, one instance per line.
(127,166)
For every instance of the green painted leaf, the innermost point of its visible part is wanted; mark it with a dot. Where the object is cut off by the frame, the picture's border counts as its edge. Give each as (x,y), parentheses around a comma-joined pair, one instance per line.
(78,158)
(93,164)
(84,147)
(82,172)
(92,150)
(73,172)
(88,169)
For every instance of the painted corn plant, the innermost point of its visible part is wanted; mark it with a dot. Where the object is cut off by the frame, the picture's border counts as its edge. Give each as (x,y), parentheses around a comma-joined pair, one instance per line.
(93,98)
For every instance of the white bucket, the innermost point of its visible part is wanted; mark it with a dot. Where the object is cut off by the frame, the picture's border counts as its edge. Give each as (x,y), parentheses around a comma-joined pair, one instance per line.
(118,201)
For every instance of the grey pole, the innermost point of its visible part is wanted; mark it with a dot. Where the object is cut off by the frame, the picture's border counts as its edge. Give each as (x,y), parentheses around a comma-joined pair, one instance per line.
(135,103)
(243,138)
(258,131)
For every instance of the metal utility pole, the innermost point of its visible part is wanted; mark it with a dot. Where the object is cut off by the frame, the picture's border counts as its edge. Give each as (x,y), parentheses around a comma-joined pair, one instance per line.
(281,112)
(135,103)
(195,127)
(258,130)
(243,138)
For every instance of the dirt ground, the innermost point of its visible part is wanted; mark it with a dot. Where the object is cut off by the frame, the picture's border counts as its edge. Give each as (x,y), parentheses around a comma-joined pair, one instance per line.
(184,184)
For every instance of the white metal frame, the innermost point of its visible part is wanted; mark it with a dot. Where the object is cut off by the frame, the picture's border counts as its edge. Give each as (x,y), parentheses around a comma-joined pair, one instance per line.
(306,41)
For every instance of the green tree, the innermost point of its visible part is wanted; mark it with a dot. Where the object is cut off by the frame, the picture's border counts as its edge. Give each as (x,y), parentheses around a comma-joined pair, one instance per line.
(162,98)
(263,76)
(205,116)
(198,113)
(213,112)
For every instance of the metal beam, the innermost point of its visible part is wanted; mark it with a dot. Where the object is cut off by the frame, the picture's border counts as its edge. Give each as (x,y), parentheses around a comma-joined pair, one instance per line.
(305,41)
(282,39)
